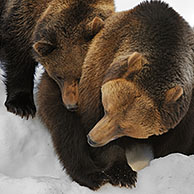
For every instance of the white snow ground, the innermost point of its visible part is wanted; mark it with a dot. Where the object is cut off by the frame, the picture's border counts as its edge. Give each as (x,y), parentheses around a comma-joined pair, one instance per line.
(28,164)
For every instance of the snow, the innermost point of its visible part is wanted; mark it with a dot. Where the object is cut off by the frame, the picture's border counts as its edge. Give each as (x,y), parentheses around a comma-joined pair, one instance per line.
(29,165)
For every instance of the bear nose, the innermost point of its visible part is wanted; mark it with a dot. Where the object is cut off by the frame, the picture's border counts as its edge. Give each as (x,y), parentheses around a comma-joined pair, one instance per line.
(91,142)
(72,108)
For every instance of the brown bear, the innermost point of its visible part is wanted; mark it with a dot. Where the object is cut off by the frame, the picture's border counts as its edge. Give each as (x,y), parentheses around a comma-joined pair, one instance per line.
(145,73)
(55,33)
(129,111)
(124,100)
(163,40)
(144,60)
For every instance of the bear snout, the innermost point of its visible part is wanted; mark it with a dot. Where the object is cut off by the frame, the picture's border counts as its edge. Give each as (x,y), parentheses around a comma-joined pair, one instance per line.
(72,108)
(91,142)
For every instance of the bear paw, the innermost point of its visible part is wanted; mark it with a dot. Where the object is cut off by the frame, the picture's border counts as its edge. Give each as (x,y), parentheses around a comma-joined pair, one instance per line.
(21,104)
(122,175)
(95,180)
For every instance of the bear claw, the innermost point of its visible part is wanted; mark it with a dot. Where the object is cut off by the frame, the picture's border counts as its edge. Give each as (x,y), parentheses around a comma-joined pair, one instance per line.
(21,104)
(122,175)
(97,179)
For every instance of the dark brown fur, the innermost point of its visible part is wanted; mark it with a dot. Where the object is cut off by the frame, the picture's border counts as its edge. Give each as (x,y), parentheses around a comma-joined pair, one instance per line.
(166,41)
(87,166)
(123,34)
(59,34)
(70,140)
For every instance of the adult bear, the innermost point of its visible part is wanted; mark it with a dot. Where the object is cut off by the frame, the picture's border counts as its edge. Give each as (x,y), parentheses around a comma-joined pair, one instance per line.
(146,73)
(53,32)
(166,119)
(139,30)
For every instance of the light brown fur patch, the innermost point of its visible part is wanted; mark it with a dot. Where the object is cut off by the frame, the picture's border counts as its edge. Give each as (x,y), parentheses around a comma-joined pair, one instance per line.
(70,93)
(135,62)
(173,94)
(128,112)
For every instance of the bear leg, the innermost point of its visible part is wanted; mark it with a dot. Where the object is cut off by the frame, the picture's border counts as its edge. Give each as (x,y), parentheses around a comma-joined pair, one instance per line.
(19,87)
(93,180)
(68,136)
(21,103)
(73,151)
(113,158)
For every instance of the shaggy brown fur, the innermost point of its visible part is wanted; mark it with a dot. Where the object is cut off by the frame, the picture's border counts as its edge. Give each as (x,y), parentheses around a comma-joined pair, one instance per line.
(88,166)
(140,30)
(129,111)
(166,42)
(55,33)
(155,94)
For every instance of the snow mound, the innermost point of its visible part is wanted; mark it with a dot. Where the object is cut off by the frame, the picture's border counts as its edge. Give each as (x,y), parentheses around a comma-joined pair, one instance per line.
(173,174)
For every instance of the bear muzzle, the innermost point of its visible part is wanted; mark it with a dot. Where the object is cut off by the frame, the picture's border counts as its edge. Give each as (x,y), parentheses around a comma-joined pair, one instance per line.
(103,132)
(70,95)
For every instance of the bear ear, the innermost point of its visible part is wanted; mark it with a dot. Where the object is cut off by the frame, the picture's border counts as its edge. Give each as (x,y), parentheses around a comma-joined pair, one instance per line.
(173,94)
(95,26)
(136,61)
(43,48)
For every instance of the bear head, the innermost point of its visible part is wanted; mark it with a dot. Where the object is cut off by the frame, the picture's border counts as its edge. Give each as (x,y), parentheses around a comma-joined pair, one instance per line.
(130,109)
(61,39)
